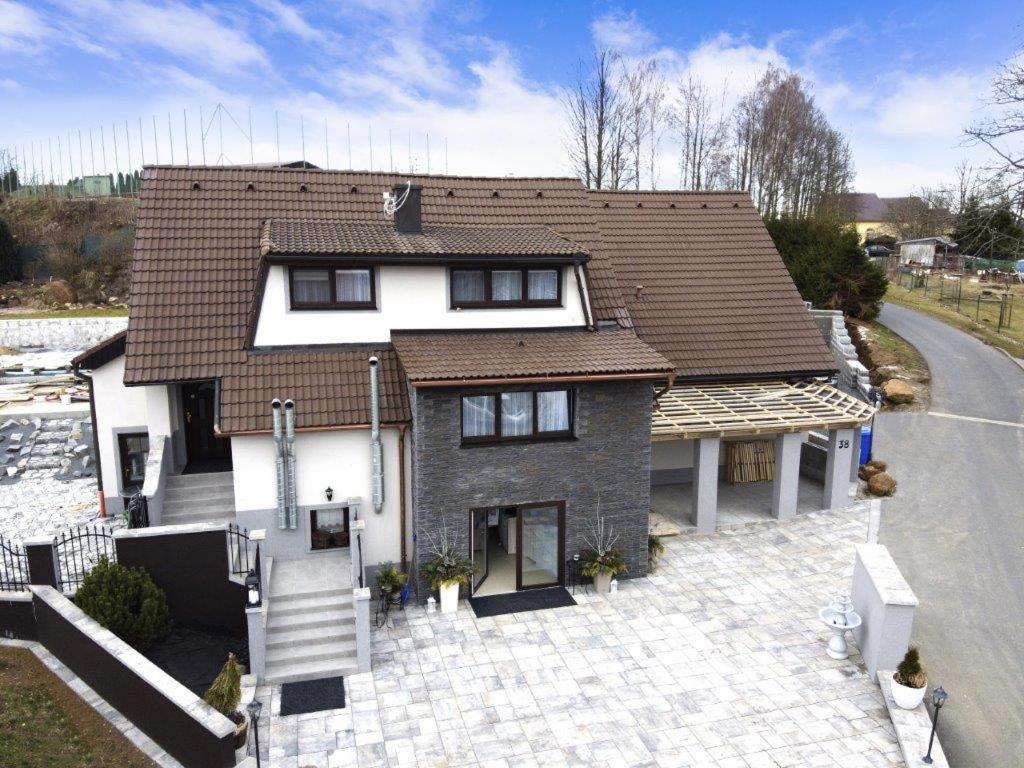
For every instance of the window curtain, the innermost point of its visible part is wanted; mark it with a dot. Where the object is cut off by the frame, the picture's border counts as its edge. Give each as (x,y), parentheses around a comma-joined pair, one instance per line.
(516,414)
(553,411)
(352,285)
(311,286)
(478,416)
(507,285)
(467,285)
(543,284)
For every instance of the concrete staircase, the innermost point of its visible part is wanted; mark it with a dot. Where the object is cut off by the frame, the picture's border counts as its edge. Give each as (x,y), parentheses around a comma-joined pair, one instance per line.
(199,498)
(311,631)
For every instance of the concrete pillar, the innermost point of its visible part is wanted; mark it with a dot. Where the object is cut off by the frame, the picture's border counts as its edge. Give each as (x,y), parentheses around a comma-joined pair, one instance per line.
(256,622)
(855,459)
(41,558)
(837,469)
(786,475)
(886,605)
(361,597)
(705,483)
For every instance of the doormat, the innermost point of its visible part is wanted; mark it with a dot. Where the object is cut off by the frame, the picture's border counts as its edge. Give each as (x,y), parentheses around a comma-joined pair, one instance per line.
(312,696)
(520,602)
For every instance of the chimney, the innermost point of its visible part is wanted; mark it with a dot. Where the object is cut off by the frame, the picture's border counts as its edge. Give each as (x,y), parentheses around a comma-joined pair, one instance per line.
(408,218)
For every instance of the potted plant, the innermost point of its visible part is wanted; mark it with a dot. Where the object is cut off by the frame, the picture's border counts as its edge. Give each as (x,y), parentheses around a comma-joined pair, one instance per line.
(390,580)
(224,694)
(602,560)
(446,570)
(909,681)
(655,549)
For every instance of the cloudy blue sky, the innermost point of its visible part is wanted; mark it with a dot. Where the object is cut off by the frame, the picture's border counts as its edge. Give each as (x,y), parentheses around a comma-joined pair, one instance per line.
(901,80)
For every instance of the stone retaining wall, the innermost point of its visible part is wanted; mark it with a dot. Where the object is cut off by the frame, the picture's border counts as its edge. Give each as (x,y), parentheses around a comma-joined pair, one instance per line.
(59,333)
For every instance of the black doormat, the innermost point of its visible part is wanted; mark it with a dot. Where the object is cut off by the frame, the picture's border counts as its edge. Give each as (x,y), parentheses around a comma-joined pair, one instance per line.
(194,658)
(519,602)
(313,696)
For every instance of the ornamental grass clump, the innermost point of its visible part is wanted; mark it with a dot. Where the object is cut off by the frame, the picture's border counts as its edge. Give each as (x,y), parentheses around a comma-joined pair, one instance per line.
(655,549)
(127,602)
(910,672)
(602,557)
(445,566)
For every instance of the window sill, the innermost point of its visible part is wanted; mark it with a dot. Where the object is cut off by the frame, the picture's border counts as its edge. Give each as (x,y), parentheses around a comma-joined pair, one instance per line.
(492,442)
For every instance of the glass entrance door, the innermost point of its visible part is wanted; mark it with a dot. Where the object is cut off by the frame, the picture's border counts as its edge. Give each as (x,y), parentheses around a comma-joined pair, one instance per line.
(541,545)
(478,534)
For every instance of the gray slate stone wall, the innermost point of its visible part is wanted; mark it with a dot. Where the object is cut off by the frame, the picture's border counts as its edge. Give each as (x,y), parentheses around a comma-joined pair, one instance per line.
(610,457)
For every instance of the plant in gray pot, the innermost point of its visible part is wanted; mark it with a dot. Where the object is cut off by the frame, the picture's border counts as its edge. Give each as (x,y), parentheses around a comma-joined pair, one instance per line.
(603,560)
(909,681)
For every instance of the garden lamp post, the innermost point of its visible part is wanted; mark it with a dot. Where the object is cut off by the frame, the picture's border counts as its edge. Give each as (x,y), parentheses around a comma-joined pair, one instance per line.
(254,708)
(939,697)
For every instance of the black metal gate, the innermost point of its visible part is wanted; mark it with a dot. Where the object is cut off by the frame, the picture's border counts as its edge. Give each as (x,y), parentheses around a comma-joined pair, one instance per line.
(78,549)
(13,566)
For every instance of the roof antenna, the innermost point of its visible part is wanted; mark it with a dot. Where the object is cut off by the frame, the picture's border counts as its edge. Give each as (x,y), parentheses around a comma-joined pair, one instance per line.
(392,203)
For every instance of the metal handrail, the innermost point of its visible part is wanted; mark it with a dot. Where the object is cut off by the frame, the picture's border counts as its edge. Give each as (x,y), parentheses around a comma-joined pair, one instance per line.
(78,549)
(238,543)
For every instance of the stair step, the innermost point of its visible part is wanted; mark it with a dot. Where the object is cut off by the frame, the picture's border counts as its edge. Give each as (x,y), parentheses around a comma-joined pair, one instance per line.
(201,516)
(331,618)
(310,670)
(288,637)
(199,495)
(310,605)
(295,596)
(204,480)
(189,507)
(338,650)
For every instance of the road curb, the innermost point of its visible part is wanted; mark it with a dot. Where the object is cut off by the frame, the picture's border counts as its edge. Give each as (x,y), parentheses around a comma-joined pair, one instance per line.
(1017,360)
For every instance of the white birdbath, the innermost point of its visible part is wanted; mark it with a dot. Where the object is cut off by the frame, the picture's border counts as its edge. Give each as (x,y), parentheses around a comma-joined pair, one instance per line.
(840,618)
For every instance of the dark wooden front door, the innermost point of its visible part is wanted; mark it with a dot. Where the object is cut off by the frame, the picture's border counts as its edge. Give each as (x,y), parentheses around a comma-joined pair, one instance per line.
(201,443)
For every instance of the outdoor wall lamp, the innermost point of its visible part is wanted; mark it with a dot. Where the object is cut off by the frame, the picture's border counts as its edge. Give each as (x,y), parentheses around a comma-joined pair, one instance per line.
(329,493)
(252,585)
(939,697)
(254,708)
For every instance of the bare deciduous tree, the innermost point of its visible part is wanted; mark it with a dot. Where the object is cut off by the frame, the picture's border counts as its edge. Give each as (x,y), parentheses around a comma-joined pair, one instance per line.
(925,214)
(594,136)
(700,127)
(1004,133)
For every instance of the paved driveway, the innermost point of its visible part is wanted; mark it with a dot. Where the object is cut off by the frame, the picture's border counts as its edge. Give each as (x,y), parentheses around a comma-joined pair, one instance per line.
(956,529)
(715,661)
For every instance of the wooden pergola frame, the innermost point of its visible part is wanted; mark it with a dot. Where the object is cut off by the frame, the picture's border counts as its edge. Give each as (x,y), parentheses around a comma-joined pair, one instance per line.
(692,411)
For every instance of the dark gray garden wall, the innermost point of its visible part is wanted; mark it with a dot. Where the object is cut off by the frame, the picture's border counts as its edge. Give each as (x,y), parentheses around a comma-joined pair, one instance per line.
(17,619)
(610,457)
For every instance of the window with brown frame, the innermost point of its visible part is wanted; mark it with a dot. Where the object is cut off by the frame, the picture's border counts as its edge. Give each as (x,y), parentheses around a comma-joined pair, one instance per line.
(133,450)
(332,288)
(491,287)
(517,415)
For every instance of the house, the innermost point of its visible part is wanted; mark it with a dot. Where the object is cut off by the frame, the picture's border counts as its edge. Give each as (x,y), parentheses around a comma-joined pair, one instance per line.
(498,362)
(882,219)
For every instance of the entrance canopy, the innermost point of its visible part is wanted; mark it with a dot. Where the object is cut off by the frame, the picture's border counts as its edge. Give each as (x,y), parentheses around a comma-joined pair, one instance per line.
(754,408)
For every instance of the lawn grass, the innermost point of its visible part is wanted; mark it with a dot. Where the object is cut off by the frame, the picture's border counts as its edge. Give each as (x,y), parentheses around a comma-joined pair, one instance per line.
(1010,339)
(44,724)
(51,314)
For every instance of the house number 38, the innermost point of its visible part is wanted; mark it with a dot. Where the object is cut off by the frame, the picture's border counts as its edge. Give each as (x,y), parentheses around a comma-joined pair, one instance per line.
(844,443)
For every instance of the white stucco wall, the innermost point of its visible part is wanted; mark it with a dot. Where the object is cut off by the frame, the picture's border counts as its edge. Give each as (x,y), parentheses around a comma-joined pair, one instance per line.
(407,298)
(118,408)
(339,459)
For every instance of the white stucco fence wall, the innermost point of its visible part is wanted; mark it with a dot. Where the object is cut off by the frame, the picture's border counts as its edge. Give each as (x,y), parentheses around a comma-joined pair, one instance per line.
(59,333)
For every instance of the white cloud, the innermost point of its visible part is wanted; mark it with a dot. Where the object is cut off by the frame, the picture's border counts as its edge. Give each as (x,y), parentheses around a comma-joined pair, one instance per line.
(920,105)
(290,19)
(621,32)
(20,27)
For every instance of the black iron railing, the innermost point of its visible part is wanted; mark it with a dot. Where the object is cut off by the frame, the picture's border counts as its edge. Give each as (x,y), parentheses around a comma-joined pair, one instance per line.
(136,513)
(238,546)
(78,549)
(13,566)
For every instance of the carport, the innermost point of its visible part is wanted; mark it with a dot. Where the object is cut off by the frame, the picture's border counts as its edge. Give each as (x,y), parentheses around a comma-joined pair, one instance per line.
(781,411)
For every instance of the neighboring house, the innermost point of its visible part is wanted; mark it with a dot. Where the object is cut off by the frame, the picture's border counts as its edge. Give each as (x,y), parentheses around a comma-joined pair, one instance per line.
(521,339)
(874,216)
(935,251)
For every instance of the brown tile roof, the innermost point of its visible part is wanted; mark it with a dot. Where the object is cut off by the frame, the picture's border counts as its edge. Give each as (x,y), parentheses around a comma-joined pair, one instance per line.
(197,242)
(330,387)
(716,298)
(456,356)
(381,238)
(102,353)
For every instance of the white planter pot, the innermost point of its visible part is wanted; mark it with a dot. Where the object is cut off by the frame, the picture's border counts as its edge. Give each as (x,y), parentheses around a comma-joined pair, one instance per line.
(450,597)
(907,697)
(603,583)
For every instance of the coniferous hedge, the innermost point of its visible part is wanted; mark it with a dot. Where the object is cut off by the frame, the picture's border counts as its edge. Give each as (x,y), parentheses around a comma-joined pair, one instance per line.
(127,602)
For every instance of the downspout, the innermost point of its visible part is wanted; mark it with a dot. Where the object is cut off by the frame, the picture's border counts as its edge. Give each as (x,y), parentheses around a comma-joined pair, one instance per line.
(87,375)
(401,489)
(282,480)
(289,453)
(376,452)
(584,296)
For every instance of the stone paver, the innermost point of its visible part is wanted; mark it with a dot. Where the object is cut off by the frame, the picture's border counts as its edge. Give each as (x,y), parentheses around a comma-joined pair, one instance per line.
(716,660)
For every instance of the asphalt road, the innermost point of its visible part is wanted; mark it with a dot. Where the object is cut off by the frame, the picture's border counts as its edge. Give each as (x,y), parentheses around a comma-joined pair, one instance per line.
(956,530)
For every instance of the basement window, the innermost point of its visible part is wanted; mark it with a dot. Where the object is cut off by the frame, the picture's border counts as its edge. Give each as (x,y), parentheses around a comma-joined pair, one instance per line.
(332,288)
(517,416)
(328,528)
(506,287)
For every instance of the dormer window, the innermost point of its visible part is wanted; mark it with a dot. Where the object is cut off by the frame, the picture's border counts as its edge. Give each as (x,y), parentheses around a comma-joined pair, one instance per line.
(332,288)
(506,287)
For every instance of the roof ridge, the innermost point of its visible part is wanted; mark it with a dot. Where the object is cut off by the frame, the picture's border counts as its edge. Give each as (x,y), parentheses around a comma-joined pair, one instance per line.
(356,171)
